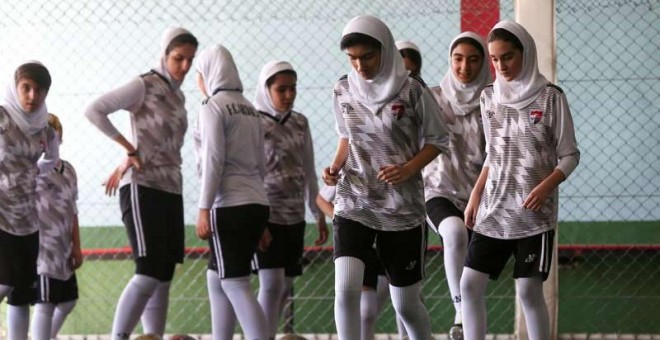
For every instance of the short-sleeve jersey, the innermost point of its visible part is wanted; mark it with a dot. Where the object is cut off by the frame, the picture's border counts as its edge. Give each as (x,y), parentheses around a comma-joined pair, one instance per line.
(57,193)
(452,175)
(393,135)
(285,141)
(18,171)
(522,147)
(159,126)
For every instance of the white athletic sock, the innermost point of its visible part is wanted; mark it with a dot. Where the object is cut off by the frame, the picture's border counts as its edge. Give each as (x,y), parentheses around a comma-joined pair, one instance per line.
(154,316)
(383,292)
(4,291)
(368,313)
(246,307)
(131,305)
(288,285)
(455,241)
(18,322)
(223,319)
(530,293)
(271,289)
(42,321)
(409,307)
(473,291)
(62,310)
(349,273)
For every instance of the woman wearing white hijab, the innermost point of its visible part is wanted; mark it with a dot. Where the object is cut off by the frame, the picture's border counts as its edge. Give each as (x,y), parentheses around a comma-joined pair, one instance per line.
(290,179)
(512,210)
(149,179)
(448,179)
(389,129)
(233,206)
(24,138)
(412,57)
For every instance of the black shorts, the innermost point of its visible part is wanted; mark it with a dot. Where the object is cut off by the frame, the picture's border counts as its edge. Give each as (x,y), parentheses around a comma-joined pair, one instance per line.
(532,255)
(154,223)
(235,235)
(400,252)
(439,208)
(372,269)
(285,251)
(57,291)
(18,262)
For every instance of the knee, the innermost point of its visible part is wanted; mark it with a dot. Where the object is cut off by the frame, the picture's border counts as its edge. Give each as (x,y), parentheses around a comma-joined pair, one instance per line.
(529,289)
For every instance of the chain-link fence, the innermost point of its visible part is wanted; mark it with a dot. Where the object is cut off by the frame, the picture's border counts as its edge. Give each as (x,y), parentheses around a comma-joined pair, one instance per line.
(608,64)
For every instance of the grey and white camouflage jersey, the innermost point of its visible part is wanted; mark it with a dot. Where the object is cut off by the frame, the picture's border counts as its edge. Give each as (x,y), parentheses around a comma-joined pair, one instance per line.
(290,171)
(18,171)
(57,193)
(394,135)
(452,175)
(159,126)
(524,147)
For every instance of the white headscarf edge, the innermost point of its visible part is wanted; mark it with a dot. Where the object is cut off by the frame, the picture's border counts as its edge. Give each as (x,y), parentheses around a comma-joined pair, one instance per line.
(28,122)
(262,100)
(464,98)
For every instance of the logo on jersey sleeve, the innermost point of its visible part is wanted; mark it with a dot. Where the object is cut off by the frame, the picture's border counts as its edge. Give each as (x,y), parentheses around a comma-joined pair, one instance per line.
(398,110)
(346,108)
(535,116)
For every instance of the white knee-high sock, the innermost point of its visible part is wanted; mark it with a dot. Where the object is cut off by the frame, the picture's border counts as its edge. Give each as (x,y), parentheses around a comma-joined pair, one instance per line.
(288,285)
(4,291)
(154,316)
(455,241)
(383,292)
(349,273)
(530,293)
(223,319)
(368,313)
(409,307)
(473,291)
(42,321)
(62,310)
(247,309)
(272,285)
(18,322)
(131,305)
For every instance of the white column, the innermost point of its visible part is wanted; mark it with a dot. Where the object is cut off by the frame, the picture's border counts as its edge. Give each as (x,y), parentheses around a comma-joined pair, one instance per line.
(538,17)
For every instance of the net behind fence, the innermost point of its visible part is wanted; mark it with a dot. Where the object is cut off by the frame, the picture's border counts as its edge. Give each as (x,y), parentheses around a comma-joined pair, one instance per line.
(608,65)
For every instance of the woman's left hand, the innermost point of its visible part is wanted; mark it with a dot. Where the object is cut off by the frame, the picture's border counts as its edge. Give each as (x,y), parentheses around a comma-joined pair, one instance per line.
(537,197)
(204,224)
(394,174)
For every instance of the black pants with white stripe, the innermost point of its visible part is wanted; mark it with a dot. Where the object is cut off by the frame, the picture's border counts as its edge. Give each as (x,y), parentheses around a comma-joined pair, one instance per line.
(154,223)
(532,255)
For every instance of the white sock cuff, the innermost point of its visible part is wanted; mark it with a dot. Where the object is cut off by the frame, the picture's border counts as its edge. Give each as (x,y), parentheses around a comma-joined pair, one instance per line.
(349,273)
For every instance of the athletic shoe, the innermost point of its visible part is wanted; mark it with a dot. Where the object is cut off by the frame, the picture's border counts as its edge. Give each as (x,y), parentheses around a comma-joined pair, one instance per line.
(456,332)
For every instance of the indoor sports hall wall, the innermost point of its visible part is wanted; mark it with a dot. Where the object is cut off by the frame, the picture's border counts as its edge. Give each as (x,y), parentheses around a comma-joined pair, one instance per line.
(608,63)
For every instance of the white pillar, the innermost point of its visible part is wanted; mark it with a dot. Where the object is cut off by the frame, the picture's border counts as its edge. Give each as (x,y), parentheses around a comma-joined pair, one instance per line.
(538,17)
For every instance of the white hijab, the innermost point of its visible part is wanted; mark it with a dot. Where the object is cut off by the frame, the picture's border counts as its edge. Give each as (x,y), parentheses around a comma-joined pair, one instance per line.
(161,65)
(523,90)
(262,100)
(377,92)
(405,44)
(217,66)
(28,122)
(464,98)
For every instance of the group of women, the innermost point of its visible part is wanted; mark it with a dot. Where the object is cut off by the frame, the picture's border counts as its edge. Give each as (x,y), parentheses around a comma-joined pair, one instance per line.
(488,157)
